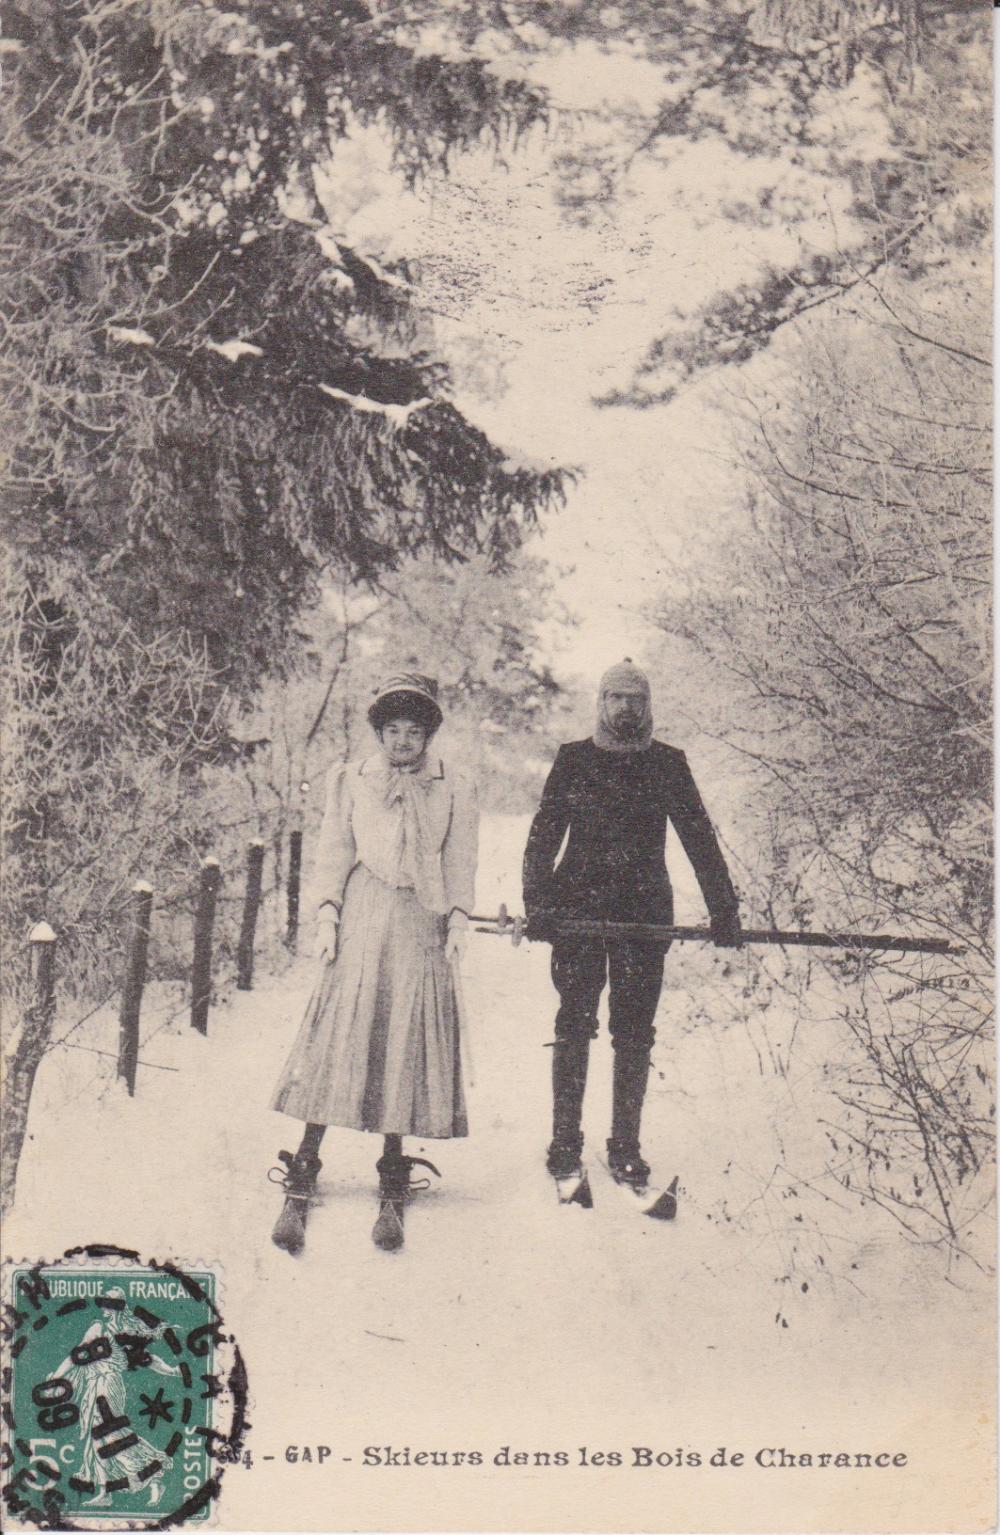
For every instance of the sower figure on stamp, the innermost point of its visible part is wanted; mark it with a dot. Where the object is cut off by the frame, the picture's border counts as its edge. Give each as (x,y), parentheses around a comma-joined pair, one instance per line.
(379,1046)
(96,1371)
(614,794)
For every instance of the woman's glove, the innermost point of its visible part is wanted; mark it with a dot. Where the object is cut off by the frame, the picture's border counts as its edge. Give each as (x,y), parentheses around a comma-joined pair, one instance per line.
(326,934)
(454,947)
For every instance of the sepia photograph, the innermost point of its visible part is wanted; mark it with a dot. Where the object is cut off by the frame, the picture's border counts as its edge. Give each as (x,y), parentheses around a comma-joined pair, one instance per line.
(496,741)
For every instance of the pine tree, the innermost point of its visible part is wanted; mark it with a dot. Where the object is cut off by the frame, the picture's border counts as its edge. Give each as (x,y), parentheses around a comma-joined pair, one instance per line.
(209,400)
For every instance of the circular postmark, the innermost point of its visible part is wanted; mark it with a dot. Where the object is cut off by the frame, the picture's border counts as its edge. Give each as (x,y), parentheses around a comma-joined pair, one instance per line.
(123,1395)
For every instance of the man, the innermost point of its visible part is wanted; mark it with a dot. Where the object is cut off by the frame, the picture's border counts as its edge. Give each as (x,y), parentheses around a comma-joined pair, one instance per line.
(614,794)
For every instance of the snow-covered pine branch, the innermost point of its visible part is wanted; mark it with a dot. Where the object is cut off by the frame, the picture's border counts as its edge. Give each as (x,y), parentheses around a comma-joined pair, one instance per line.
(397,415)
(129,336)
(233,350)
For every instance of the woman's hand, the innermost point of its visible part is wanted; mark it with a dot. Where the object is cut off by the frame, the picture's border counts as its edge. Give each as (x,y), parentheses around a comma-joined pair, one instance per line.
(326,934)
(454,948)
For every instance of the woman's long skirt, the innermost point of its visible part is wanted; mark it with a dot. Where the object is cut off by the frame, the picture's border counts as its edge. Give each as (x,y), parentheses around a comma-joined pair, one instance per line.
(379,1044)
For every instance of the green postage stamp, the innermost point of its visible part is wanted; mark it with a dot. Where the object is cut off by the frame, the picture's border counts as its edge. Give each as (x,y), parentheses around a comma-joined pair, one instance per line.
(123,1395)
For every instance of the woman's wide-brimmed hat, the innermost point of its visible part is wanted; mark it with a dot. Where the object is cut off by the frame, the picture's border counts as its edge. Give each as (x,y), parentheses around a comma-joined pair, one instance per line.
(406,695)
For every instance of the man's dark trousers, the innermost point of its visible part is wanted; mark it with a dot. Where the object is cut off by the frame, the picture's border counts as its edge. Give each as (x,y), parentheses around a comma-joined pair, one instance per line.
(633,972)
(581,967)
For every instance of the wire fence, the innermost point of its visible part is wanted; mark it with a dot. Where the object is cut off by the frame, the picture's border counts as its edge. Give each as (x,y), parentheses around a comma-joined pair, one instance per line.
(279,898)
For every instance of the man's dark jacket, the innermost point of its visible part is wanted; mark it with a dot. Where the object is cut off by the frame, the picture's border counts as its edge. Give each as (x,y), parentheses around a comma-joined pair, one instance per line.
(616,806)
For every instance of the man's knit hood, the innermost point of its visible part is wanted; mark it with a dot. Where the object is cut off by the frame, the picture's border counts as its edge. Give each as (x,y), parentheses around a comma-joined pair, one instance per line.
(615,679)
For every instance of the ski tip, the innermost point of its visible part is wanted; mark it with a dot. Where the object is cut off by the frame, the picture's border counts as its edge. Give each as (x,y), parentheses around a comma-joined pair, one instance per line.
(575,1191)
(665,1207)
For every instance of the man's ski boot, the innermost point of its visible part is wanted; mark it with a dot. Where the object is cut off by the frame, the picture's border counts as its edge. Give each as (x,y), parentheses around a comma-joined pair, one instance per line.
(569,1079)
(626,1165)
(298,1178)
(631,1172)
(395,1186)
(564,1163)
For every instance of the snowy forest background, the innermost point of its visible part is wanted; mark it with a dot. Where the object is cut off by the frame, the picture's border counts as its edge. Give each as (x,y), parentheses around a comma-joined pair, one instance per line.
(503,339)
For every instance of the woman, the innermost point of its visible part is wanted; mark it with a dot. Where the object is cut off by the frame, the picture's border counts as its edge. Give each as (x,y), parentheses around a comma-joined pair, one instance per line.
(379,1048)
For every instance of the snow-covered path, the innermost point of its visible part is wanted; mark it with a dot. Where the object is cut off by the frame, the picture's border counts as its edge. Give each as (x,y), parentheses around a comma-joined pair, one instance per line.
(770,1314)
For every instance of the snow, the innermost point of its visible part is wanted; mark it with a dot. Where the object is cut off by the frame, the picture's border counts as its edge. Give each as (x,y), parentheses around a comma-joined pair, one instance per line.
(329,245)
(398,415)
(505,1320)
(130,336)
(232,350)
(389,279)
(516,462)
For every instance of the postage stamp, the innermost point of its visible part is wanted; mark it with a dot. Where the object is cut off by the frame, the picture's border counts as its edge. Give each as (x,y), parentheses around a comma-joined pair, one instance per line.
(124,1398)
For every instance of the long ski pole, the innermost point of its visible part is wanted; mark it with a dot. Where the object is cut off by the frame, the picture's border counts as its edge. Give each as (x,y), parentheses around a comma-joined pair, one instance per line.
(503,926)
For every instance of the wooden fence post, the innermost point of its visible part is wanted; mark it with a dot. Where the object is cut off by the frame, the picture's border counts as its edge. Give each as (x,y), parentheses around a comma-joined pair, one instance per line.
(294,887)
(201,965)
(248,926)
(31,1046)
(43,944)
(135,980)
